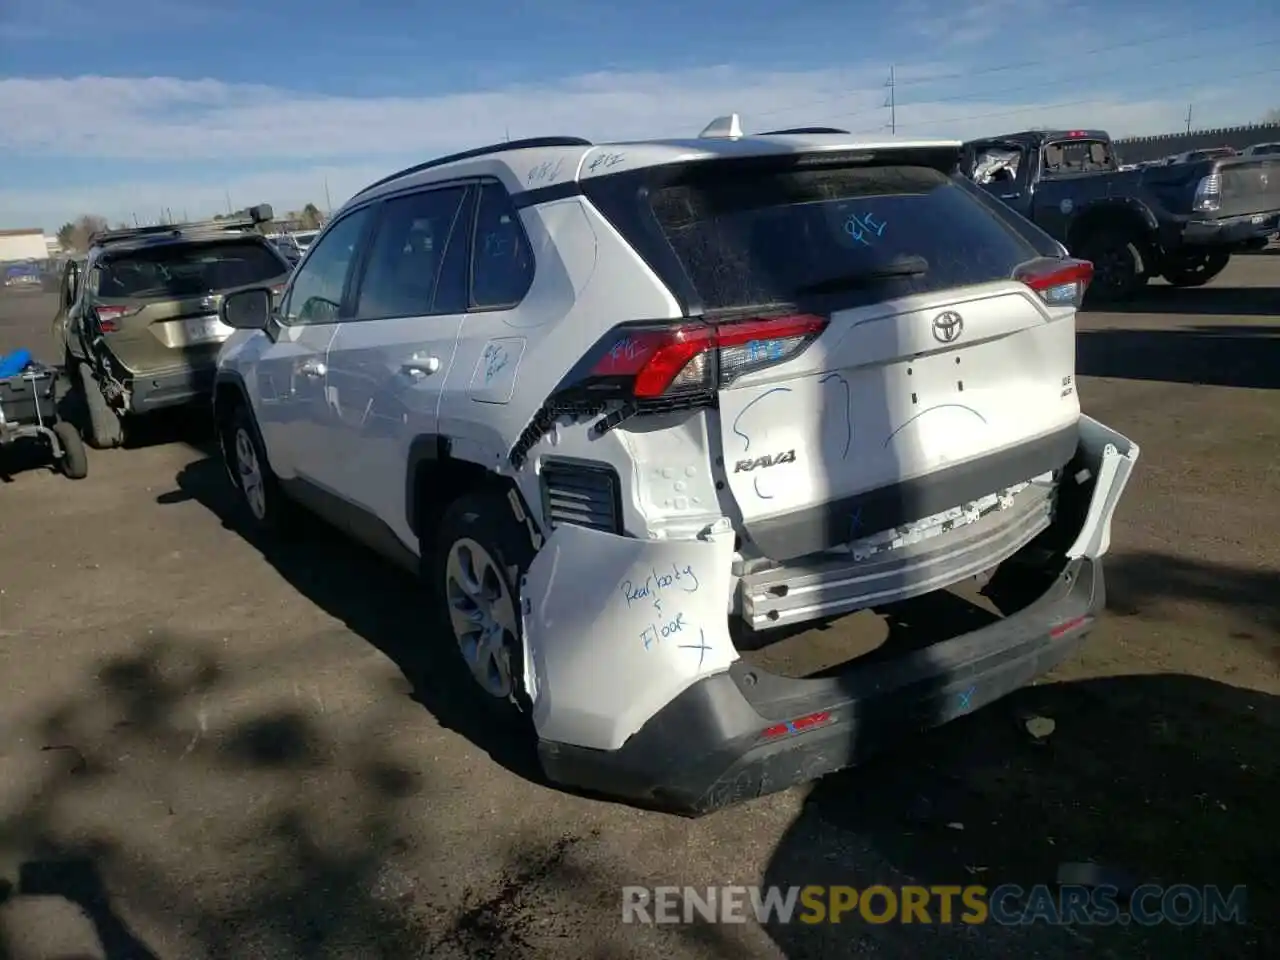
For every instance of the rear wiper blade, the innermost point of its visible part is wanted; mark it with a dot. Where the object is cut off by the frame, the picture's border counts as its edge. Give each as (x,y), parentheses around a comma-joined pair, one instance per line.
(906,267)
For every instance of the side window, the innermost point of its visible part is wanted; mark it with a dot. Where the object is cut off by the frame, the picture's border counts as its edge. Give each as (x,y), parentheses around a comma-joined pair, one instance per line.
(316,293)
(501,259)
(403,277)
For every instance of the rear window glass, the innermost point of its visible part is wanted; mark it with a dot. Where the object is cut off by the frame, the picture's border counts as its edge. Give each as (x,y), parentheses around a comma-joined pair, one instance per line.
(766,239)
(188,270)
(1077,156)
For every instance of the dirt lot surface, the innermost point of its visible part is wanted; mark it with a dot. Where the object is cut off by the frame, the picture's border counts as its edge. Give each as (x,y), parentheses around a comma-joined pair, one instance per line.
(212,748)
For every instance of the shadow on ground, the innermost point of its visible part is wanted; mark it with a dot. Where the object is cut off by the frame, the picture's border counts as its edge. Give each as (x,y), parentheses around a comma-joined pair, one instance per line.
(1156,779)
(1220,301)
(170,811)
(1224,356)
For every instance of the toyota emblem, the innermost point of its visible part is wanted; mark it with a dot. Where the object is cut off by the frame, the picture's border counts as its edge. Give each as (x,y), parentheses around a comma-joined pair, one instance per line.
(948,326)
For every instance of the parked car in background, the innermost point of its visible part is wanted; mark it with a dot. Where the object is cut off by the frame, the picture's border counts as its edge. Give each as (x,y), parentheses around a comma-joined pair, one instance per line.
(1261,150)
(138,326)
(1207,153)
(618,404)
(22,277)
(1181,221)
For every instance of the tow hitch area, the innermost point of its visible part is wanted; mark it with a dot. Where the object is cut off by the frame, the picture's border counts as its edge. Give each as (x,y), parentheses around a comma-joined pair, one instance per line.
(615,628)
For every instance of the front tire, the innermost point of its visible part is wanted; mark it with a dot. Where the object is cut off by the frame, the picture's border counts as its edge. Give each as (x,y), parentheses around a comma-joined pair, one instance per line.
(258,495)
(480,555)
(1117,266)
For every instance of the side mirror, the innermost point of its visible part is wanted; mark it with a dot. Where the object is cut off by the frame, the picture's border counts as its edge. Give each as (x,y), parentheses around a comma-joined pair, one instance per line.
(248,309)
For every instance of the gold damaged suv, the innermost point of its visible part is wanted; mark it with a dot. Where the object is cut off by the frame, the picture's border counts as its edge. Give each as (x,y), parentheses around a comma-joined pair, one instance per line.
(137,324)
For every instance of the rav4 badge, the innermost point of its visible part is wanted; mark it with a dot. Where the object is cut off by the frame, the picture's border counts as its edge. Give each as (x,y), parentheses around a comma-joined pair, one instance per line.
(746,466)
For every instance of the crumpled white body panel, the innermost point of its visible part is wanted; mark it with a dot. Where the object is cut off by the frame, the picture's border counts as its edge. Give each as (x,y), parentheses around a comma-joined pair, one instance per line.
(616,627)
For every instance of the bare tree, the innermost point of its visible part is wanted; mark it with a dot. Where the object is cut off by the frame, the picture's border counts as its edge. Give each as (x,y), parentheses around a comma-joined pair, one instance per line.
(75,235)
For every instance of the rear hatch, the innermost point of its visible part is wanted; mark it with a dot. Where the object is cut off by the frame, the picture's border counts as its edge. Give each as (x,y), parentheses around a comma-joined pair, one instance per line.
(893,367)
(1249,185)
(157,305)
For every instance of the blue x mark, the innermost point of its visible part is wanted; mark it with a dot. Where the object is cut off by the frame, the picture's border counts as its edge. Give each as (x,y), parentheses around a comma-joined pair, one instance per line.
(965,698)
(700,646)
(855,524)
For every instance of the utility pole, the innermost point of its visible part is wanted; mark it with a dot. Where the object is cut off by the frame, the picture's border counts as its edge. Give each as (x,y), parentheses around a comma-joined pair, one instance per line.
(228,196)
(1189,106)
(892,101)
(328,204)
(506,134)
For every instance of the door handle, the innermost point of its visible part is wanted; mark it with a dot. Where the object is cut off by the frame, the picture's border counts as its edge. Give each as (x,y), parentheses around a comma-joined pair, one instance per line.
(419,366)
(313,369)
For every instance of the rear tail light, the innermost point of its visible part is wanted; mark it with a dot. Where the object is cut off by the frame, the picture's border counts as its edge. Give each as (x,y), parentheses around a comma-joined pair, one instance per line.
(109,318)
(649,362)
(1059,283)
(1208,196)
(652,367)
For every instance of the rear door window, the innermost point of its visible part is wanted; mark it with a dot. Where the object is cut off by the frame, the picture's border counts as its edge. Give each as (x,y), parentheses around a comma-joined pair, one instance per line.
(185,270)
(502,261)
(772,238)
(403,276)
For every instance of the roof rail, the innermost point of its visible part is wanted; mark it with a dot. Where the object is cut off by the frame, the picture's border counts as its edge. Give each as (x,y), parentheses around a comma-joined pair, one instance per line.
(800,130)
(529,143)
(259,214)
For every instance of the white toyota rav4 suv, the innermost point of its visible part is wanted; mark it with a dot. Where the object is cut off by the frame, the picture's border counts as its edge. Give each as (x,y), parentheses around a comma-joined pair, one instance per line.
(623,405)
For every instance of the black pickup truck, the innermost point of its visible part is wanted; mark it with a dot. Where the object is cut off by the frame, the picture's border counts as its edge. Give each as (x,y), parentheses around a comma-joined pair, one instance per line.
(1181,221)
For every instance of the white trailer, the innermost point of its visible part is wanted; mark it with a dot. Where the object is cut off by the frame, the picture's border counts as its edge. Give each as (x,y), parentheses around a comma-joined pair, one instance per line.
(23,245)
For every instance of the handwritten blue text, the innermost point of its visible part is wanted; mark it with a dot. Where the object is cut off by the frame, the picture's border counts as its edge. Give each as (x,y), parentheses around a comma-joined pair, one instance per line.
(495,359)
(652,587)
(859,227)
(660,631)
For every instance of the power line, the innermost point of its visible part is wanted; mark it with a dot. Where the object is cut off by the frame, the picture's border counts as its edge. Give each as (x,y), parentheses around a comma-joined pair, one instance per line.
(976,97)
(1000,68)
(1067,103)
(1053,83)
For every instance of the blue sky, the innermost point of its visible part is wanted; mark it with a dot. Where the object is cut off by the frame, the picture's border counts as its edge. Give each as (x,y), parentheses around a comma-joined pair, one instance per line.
(132,106)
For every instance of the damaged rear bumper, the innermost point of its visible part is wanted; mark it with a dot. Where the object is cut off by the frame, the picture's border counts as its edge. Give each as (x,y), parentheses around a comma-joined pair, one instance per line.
(740,735)
(638,691)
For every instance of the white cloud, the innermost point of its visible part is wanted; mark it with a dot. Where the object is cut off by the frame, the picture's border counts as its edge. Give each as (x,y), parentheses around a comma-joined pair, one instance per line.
(964,24)
(349,141)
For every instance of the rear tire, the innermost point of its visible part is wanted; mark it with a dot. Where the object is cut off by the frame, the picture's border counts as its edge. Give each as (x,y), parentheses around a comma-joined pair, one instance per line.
(105,429)
(1197,269)
(261,502)
(477,559)
(1117,266)
(74,462)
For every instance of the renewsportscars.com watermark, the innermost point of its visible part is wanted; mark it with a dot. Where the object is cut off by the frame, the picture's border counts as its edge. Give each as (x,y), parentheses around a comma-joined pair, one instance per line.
(1008,905)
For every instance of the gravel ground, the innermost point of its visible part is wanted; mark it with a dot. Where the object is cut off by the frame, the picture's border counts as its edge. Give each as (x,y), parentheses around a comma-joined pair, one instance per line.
(211,747)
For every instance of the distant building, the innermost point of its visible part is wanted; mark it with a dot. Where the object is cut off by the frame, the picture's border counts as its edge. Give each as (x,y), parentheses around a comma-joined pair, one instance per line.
(23,244)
